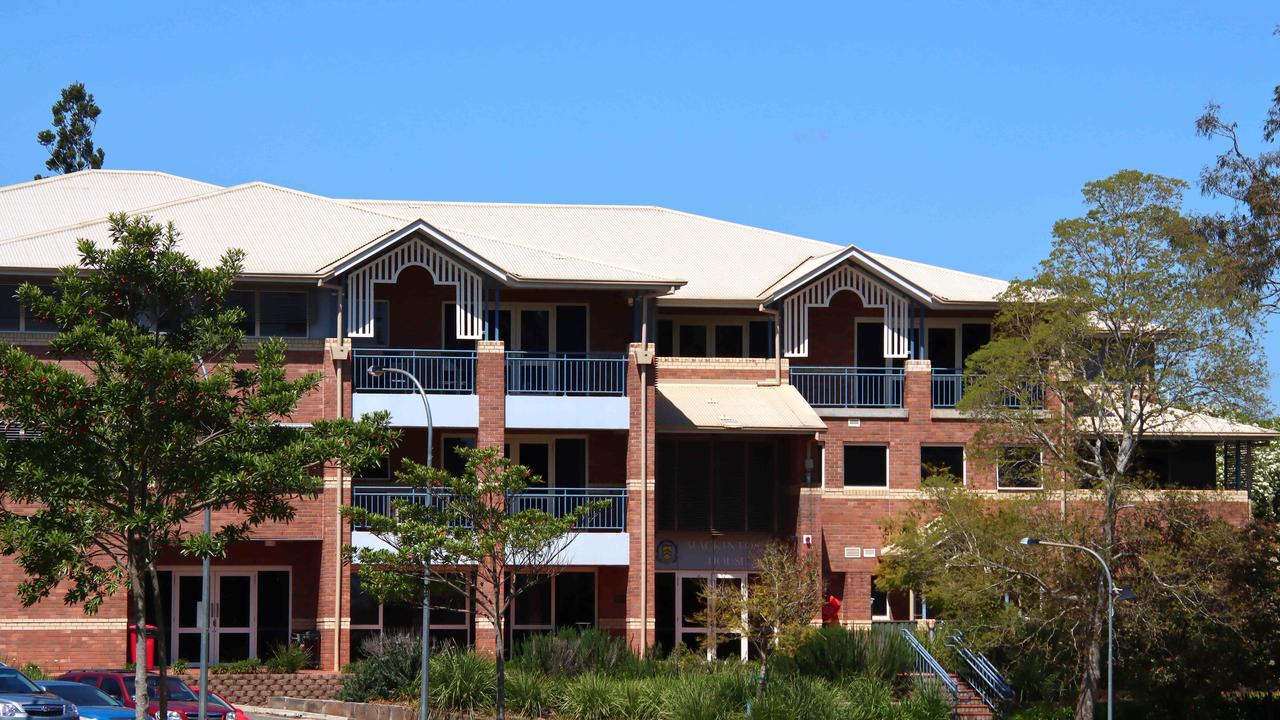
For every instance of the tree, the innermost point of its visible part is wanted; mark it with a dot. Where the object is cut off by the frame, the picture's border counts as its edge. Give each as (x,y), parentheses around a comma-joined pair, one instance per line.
(473,536)
(1119,336)
(781,597)
(133,443)
(70,141)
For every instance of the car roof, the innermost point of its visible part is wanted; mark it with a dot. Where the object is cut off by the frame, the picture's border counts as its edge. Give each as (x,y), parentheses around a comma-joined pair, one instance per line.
(57,682)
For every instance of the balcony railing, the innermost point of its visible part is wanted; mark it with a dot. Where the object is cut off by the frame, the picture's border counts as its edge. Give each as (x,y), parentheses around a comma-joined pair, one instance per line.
(849,387)
(949,385)
(580,374)
(451,372)
(558,502)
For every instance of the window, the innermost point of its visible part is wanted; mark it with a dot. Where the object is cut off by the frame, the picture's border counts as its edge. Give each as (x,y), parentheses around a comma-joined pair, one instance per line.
(919,608)
(527,327)
(247,301)
(10,311)
(381,323)
(544,604)
(450,616)
(728,485)
(715,337)
(817,458)
(866,466)
(879,602)
(450,459)
(1018,469)
(942,460)
(282,314)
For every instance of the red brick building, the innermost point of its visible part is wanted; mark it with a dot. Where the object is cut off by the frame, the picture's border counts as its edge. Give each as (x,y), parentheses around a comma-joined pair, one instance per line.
(724,386)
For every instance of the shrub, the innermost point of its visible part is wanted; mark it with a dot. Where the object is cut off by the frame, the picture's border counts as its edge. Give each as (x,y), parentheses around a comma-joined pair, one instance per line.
(462,680)
(926,702)
(797,697)
(831,652)
(288,659)
(388,671)
(178,666)
(639,699)
(569,652)
(34,671)
(690,700)
(887,654)
(531,693)
(1042,711)
(868,698)
(240,667)
(590,697)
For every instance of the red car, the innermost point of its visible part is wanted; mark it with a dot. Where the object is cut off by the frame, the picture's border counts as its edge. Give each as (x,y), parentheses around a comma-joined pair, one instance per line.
(217,701)
(119,684)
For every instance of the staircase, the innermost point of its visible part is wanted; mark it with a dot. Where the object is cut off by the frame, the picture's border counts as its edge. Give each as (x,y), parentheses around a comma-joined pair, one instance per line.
(978,692)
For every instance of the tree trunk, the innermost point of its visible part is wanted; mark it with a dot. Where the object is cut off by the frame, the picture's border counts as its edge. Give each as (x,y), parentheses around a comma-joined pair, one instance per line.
(137,558)
(500,665)
(162,650)
(1091,677)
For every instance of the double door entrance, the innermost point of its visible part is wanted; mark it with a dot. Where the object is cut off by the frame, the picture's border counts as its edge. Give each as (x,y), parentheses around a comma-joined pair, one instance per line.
(248,612)
(691,629)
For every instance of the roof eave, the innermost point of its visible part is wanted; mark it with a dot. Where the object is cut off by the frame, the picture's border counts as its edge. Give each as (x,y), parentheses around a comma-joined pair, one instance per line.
(867,262)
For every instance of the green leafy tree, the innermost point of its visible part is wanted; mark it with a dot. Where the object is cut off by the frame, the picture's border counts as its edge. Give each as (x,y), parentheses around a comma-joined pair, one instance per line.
(70,141)
(1116,339)
(132,441)
(782,597)
(473,537)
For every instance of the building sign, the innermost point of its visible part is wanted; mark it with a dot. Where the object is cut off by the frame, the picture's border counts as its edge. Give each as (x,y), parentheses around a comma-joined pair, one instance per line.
(706,554)
(667,552)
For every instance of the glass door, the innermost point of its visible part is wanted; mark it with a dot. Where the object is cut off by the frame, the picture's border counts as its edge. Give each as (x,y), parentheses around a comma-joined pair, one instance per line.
(690,602)
(233,636)
(186,619)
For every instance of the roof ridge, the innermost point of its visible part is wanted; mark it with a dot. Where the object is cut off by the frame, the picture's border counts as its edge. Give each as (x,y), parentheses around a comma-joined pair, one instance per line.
(494,203)
(217,191)
(99,171)
(544,251)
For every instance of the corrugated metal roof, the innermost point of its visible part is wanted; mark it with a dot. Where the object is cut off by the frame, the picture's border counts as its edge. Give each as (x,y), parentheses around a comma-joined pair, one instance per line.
(946,284)
(687,407)
(63,200)
(1174,423)
(282,231)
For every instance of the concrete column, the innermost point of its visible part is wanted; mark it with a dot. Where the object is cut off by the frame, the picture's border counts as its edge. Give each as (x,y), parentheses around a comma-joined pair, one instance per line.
(640,500)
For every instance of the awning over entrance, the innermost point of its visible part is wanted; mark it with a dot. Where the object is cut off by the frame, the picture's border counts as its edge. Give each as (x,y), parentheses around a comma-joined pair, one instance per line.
(746,407)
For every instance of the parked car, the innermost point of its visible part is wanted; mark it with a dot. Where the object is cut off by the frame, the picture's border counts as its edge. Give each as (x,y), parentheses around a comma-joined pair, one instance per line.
(92,702)
(19,696)
(119,684)
(216,700)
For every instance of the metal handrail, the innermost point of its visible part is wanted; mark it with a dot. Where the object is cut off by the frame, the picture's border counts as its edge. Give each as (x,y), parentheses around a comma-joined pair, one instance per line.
(948,385)
(558,502)
(449,372)
(982,675)
(841,386)
(560,373)
(928,669)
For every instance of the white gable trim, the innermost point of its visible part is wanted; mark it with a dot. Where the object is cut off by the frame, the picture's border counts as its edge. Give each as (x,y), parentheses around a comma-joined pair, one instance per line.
(874,294)
(468,287)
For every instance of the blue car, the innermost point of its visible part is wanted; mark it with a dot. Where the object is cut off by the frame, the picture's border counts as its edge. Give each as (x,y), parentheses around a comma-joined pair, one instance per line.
(92,702)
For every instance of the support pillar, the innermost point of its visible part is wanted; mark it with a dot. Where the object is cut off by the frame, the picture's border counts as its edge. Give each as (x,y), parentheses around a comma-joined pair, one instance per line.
(641,438)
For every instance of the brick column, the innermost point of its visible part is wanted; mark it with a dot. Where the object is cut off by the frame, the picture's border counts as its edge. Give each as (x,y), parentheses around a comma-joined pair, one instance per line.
(640,504)
(491,432)
(917,398)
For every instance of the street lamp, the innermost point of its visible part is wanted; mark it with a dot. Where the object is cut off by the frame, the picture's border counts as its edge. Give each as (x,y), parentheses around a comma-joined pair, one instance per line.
(1125,594)
(423,712)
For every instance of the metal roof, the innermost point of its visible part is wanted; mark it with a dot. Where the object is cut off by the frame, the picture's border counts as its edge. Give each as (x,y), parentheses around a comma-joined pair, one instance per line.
(63,200)
(745,407)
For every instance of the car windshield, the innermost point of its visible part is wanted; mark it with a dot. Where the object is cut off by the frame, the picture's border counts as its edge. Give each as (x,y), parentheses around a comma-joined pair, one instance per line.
(177,690)
(83,695)
(215,700)
(12,681)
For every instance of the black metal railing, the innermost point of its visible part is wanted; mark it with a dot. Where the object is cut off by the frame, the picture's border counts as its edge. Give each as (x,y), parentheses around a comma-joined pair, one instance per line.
(450,372)
(948,385)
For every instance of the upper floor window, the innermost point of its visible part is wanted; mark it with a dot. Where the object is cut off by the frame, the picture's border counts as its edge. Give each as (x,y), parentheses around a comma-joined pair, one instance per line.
(1019,468)
(271,313)
(528,328)
(714,337)
(942,461)
(726,485)
(14,317)
(866,466)
(949,343)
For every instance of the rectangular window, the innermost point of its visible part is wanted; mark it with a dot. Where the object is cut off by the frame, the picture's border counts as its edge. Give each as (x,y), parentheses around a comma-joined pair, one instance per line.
(571,463)
(760,343)
(942,461)
(879,602)
(729,496)
(666,339)
(728,341)
(1018,469)
(10,311)
(365,608)
(866,466)
(693,341)
(247,301)
(571,328)
(450,459)
(381,323)
(282,314)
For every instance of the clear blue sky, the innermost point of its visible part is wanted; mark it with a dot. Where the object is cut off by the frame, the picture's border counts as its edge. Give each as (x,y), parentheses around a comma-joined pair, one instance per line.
(952,133)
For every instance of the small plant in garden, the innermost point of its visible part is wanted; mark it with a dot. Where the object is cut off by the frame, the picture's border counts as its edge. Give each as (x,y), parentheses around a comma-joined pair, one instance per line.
(461,680)
(288,658)
(532,694)
(389,669)
(240,667)
(178,667)
(570,652)
(34,671)
(591,697)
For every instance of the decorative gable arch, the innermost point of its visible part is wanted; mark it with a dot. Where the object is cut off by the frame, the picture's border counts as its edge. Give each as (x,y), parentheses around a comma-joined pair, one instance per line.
(874,294)
(468,287)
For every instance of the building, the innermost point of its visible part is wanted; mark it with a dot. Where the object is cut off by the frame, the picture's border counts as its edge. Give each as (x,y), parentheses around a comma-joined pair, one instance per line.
(722,385)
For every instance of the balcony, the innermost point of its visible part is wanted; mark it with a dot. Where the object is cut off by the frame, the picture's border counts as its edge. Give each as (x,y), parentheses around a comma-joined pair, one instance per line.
(447,376)
(948,385)
(837,386)
(567,390)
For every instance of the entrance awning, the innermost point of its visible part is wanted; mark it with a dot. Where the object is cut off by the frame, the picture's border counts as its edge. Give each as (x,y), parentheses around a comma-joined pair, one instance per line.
(743,407)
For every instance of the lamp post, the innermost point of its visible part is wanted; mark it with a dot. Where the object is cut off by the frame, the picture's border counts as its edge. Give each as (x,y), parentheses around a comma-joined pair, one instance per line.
(424,686)
(1111,612)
